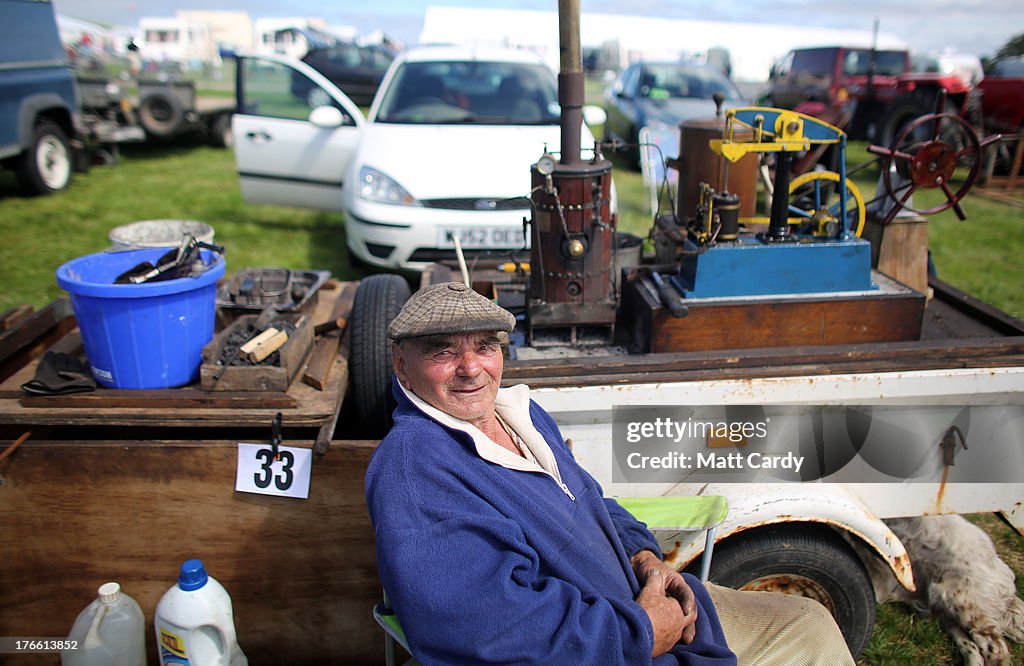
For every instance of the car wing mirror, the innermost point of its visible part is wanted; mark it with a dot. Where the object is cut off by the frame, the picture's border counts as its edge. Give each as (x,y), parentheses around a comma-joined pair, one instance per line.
(327,117)
(594,115)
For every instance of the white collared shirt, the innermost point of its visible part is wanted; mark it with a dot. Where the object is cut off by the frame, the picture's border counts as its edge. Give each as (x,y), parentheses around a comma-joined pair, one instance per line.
(513,403)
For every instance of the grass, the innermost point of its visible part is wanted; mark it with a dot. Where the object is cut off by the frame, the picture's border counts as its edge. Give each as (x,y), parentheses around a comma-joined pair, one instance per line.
(174,182)
(186,181)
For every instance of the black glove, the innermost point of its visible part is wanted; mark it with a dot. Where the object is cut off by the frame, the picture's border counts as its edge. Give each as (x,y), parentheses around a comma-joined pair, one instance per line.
(59,373)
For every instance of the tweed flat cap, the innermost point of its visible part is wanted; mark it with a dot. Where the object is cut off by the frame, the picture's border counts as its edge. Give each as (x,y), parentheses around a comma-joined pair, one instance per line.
(446,309)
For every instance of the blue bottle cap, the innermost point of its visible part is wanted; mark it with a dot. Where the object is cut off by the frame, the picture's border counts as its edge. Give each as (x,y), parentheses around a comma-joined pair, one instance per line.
(193,575)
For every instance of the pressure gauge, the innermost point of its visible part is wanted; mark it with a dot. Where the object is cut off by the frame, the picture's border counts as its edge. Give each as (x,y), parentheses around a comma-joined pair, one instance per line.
(546,164)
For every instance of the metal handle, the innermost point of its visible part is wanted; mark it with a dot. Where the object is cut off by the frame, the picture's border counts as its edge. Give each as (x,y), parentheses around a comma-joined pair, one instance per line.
(670,297)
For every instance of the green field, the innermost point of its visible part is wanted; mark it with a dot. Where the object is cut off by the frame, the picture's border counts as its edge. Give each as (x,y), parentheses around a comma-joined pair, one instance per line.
(980,256)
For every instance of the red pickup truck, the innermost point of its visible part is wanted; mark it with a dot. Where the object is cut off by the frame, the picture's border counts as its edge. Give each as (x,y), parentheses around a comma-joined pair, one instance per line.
(1002,99)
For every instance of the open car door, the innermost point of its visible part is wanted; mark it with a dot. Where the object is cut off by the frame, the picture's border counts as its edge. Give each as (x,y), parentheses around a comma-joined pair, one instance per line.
(287,152)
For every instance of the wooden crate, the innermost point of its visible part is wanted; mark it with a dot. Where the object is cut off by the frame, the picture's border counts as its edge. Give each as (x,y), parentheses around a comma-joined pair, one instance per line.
(893,313)
(262,377)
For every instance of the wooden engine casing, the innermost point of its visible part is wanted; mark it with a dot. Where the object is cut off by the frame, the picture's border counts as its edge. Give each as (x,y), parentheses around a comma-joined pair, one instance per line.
(567,290)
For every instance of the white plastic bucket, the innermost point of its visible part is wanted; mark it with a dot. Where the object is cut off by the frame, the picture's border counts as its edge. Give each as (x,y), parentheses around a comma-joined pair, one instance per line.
(158,233)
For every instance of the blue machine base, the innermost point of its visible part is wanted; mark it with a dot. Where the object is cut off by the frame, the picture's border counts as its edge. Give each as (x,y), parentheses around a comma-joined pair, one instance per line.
(752,267)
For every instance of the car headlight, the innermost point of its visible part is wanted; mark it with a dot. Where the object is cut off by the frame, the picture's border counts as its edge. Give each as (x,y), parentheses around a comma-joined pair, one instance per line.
(375,186)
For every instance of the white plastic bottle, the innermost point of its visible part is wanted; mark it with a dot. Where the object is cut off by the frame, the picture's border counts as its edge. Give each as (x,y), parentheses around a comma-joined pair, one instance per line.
(111,631)
(195,624)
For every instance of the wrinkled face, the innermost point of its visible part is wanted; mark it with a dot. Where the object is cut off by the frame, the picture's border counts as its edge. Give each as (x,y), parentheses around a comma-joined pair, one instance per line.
(457,374)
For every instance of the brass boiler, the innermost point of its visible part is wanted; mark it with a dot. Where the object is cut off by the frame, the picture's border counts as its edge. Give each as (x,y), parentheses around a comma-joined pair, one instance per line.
(698,164)
(572,281)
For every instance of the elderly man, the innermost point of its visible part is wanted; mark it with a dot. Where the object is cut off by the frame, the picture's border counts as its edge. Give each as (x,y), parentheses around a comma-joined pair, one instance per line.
(497,547)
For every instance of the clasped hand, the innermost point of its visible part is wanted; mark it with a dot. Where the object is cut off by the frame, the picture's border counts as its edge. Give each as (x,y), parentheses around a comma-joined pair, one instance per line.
(668,601)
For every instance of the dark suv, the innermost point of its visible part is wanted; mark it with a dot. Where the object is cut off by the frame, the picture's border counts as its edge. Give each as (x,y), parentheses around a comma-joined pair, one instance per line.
(875,87)
(38,99)
(357,70)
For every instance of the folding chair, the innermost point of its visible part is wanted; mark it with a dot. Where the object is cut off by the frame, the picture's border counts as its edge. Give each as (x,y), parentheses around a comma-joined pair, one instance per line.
(393,632)
(682,513)
(698,512)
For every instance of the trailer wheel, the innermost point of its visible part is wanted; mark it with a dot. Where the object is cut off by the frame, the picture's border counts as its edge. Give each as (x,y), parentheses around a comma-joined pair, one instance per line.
(220,131)
(45,167)
(160,114)
(807,560)
(378,300)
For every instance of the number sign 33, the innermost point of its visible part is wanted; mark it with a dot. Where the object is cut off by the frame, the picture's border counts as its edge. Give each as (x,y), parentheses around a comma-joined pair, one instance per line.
(286,476)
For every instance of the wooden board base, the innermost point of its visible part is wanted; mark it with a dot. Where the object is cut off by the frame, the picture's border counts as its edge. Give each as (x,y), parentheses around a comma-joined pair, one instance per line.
(900,250)
(302,574)
(892,314)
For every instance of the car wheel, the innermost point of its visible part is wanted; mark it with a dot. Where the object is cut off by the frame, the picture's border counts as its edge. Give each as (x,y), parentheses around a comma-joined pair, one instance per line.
(160,113)
(377,301)
(45,167)
(318,97)
(806,560)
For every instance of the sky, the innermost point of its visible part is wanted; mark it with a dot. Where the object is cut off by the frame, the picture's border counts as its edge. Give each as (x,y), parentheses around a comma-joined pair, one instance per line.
(978,27)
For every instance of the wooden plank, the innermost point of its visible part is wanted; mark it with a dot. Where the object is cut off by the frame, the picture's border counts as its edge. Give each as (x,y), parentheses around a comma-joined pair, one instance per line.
(178,398)
(794,370)
(14,316)
(900,250)
(33,335)
(326,434)
(30,329)
(992,316)
(320,363)
(301,573)
(768,362)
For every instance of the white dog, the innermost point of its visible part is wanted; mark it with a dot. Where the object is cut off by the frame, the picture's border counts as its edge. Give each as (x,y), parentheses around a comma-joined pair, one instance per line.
(960,581)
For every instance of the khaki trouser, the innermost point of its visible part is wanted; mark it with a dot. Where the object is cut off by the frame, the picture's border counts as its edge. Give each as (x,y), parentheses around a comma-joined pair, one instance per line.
(769,629)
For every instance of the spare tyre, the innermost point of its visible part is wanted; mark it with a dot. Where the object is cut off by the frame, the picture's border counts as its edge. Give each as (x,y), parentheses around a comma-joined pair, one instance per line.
(160,114)
(377,301)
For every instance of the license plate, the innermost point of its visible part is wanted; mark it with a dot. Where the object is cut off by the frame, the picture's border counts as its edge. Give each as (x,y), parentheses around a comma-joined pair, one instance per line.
(477,237)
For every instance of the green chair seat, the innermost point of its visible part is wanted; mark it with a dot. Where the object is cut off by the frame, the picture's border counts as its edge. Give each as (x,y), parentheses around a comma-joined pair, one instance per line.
(685,513)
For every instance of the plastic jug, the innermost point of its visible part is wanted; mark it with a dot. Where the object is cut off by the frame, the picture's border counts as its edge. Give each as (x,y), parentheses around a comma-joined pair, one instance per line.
(195,624)
(111,631)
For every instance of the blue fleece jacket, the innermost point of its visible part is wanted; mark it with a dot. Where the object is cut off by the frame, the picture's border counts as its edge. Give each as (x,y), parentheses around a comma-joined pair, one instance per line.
(485,564)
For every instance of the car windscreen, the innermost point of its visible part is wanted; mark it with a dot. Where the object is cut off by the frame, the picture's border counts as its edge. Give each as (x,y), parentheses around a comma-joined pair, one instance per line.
(664,81)
(470,93)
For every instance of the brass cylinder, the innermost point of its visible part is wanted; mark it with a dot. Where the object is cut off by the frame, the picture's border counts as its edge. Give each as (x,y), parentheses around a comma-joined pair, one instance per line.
(699,164)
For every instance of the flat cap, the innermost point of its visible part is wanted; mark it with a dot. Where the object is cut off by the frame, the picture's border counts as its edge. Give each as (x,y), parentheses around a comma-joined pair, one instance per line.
(448,308)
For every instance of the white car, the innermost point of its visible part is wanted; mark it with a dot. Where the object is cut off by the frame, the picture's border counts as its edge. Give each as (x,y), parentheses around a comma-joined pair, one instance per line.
(445,151)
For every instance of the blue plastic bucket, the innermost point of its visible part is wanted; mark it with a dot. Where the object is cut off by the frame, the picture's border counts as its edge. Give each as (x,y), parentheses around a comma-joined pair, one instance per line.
(141,336)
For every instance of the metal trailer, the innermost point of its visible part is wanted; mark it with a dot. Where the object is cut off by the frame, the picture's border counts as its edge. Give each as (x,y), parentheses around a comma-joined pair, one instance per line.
(168,109)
